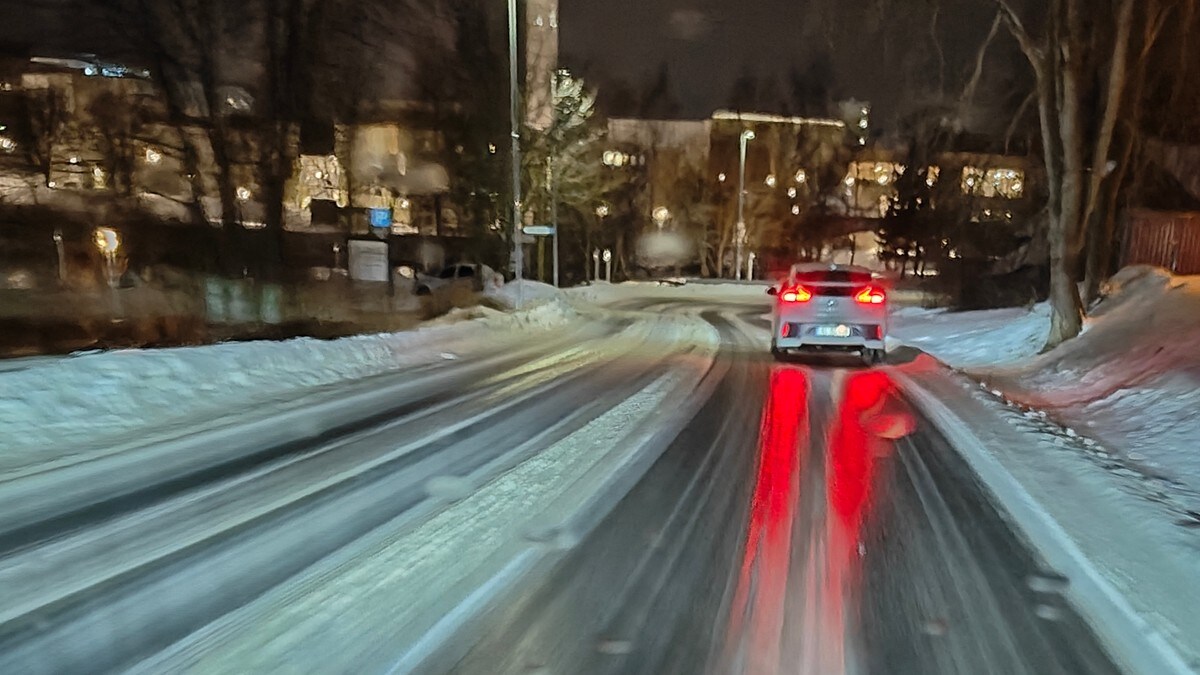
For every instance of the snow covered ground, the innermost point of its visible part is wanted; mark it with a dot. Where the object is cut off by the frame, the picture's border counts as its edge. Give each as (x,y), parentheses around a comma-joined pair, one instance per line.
(1131,382)
(966,339)
(65,406)
(1101,434)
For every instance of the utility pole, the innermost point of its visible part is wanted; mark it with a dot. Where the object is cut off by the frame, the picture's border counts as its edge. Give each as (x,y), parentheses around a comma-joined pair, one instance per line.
(514,114)
(554,218)
(746,137)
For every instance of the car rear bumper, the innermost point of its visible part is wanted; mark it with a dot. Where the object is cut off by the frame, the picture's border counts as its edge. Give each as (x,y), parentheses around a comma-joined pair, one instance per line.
(795,335)
(846,344)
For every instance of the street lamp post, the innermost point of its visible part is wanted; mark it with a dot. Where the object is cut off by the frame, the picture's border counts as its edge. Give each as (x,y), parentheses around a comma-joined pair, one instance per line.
(601,214)
(60,249)
(514,120)
(746,137)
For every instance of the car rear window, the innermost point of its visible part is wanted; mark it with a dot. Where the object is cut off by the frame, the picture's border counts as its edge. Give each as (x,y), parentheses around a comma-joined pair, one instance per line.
(833,277)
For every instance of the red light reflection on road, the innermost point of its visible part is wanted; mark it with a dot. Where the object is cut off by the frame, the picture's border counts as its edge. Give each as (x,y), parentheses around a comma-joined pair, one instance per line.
(868,418)
(756,617)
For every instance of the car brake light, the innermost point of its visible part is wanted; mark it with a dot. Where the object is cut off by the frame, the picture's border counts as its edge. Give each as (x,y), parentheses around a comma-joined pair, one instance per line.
(871,296)
(797,294)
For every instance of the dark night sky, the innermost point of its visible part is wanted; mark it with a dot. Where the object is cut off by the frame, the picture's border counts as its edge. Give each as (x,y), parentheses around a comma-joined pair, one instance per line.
(886,58)
(707,44)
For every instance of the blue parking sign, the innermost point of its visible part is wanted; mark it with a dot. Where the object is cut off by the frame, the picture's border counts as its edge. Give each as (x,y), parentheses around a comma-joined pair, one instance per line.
(380,218)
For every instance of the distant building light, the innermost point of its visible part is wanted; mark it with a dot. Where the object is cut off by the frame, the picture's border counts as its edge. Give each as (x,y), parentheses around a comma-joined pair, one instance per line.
(721,177)
(491,148)
(107,240)
(404,203)
(602,210)
(801,176)
(7,144)
(770,181)
(730,115)
(243,194)
(795,209)
(74,159)
(51,184)
(661,215)
(863,123)
(862,141)
(153,156)
(791,192)
(90,71)
(849,180)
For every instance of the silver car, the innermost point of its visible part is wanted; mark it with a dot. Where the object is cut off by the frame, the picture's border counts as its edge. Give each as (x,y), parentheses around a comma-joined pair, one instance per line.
(829,308)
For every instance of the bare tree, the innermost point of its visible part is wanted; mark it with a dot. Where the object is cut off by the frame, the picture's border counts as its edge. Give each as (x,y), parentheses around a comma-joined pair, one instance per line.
(1070,47)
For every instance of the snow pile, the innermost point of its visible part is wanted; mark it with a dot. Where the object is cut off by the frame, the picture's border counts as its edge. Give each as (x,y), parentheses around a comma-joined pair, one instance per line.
(68,405)
(524,292)
(1132,380)
(605,293)
(968,339)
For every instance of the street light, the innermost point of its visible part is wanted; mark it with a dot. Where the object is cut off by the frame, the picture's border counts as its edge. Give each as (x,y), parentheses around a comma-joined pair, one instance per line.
(108,242)
(661,215)
(746,137)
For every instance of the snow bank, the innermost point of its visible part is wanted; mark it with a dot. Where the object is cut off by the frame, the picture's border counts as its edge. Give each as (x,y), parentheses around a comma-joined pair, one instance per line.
(967,339)
(605,293)
(525,292)
(1132,380)
(67,405)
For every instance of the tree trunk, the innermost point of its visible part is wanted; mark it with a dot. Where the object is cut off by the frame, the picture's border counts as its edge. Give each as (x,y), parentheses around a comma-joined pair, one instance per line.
(1102,239)
(1064,295)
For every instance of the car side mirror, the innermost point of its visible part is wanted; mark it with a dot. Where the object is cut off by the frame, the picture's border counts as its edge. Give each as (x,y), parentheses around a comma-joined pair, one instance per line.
(771,290)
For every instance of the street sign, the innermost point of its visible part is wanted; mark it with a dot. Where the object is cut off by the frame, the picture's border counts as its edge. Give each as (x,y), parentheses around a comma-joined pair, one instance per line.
(380,218)
(538,230)
(368,260)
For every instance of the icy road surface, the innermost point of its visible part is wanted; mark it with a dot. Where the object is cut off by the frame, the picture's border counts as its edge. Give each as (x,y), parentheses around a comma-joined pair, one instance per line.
(648,494)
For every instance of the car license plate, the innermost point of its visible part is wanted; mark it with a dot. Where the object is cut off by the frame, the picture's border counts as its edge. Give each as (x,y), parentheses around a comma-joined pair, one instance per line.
(840,331)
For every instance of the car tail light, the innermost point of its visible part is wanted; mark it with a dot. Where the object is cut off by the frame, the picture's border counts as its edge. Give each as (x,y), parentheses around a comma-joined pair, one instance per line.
(871,296)
(797,294)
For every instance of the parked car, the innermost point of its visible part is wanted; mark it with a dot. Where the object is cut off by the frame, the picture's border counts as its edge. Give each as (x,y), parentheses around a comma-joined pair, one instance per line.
(467,276)
(829,308)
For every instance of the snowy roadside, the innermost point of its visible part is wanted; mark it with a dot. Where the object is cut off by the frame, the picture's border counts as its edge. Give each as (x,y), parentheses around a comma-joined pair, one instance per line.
(61,406)
(1100,437)
(1130,383)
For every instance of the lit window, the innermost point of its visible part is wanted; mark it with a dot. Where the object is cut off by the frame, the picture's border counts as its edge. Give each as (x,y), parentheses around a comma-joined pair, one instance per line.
(880,173)
(993,183)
